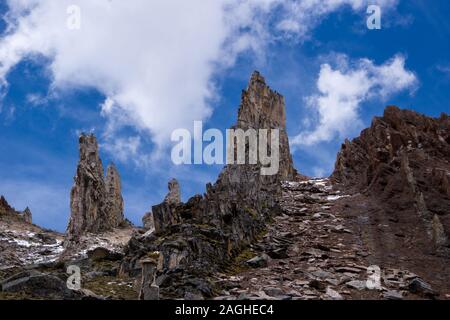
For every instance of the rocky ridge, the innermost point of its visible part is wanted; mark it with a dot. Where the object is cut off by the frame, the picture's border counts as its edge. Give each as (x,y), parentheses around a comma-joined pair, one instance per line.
(402,164)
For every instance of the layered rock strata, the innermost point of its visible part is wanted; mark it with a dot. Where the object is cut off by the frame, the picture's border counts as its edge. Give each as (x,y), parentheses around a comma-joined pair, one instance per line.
(402,162)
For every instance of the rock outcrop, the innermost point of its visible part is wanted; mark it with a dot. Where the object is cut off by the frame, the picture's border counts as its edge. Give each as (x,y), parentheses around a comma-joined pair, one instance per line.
(147,221)
(26,215)
(7,210)
(4,206)
(402,162)
(174,195)
(204,234)
(164,214)
(262,108)
(114,199)
(96,205)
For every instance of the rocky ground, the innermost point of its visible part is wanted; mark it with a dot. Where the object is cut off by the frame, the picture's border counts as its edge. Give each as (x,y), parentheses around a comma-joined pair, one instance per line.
(22,243)
(34,263)
(320,247)
(316,250)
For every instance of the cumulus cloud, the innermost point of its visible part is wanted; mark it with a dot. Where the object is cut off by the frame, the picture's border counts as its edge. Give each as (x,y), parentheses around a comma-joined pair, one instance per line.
(153,60)
(342,90)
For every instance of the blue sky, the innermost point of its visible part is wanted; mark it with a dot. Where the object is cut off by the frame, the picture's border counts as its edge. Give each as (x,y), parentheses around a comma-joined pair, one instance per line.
(131,81)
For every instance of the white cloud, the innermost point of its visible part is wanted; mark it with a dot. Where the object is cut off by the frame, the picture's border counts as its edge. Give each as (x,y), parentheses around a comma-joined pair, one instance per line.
(36,99)
(443,68)
(124,149)
(153,60)
(342,90)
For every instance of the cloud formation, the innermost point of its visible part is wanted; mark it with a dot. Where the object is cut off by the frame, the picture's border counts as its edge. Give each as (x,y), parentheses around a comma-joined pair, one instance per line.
(342,90)
(153,60)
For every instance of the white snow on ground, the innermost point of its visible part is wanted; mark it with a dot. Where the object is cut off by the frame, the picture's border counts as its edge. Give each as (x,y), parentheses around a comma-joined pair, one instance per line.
(336,197)
(323,184)
(149,232)
(25,243)
(29,249)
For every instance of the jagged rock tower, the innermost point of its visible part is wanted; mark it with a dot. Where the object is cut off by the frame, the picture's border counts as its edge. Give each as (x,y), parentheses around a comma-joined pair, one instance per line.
(199,236)
(263,108)
(96,205)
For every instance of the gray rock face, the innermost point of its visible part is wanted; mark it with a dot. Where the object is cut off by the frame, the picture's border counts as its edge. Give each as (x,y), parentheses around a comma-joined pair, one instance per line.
(149,290)
(401,163)
(38,284)
(263,108)
(164,215)
(114,198)
(174,195)
(201,235)
(96,205)
(147,221)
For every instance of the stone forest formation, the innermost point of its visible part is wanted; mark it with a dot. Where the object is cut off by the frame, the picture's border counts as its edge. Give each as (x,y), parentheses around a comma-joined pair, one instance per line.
(384,209)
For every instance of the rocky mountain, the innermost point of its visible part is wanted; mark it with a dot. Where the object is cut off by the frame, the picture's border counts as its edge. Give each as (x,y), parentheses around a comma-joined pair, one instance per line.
(378,228)
(381,216)
(402,163)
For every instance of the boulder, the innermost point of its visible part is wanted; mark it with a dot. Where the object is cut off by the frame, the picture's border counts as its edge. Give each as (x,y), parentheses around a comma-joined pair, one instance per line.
(100,253)
(420,287)
(261,261)
(38,285)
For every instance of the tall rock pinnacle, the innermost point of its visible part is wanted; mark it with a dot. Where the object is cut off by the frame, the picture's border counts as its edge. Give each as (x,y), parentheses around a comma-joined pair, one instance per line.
(96,205)
(114,195)
(263,108)
(209,230)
